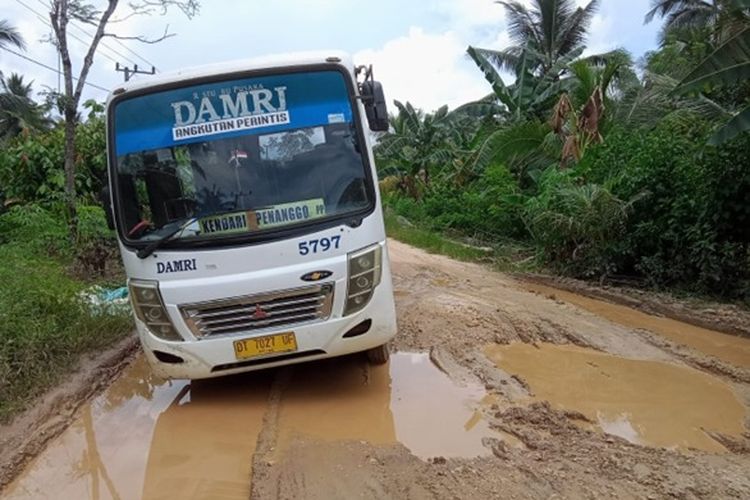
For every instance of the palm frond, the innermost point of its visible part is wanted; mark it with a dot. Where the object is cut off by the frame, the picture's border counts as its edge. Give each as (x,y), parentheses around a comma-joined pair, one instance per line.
(728,64)
(738,124)
(507,143)
(522,27)
(573,33)
(9,35)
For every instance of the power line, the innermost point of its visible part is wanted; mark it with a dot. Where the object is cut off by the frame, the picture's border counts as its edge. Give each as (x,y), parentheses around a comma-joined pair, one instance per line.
(84,42)
(118,42)
(50,68)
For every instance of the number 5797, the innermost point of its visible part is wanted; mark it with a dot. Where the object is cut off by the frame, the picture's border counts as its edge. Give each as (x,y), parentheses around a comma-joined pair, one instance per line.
(319,245)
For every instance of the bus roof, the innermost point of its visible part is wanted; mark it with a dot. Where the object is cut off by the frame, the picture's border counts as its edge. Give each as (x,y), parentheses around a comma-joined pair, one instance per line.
(262,62)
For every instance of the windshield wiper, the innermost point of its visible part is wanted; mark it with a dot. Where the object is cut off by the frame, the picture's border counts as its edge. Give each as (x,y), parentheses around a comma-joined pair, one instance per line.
(149,249)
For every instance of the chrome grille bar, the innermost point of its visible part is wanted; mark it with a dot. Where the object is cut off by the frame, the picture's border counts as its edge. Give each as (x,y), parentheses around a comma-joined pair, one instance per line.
(255,312)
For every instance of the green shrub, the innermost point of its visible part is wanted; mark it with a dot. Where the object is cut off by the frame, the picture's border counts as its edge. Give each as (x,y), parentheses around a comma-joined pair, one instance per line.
(32,165)
(42,229)
(692,227)
(487,208)
(576,226)
(44,325)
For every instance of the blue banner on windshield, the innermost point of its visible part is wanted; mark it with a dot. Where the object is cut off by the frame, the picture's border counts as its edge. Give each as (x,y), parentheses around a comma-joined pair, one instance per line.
(230,108)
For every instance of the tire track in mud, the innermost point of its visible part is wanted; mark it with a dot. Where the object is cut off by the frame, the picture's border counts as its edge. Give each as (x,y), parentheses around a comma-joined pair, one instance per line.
(266,445)
(453,311)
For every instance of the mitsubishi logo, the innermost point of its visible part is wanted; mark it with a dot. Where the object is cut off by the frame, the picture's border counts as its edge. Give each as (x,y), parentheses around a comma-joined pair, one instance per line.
(259,313)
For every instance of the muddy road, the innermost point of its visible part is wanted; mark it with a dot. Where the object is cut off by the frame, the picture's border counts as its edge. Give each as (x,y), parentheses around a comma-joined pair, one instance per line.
(496,389)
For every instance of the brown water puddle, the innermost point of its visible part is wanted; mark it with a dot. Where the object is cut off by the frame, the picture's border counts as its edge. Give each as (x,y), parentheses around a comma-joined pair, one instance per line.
(147,438)
(645,402)
(729,348)
(410,401)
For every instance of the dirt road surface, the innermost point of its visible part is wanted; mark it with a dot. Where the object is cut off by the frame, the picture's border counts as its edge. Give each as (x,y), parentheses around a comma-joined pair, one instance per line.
(496,388)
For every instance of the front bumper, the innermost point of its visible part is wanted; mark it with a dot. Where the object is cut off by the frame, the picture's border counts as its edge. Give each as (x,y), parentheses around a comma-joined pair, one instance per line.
(213,357)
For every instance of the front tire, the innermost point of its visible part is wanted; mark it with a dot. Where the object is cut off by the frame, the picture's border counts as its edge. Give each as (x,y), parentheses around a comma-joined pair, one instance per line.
(378,355)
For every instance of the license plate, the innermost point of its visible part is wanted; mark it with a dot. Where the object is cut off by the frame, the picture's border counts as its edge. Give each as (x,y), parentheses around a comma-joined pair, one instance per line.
(270,344)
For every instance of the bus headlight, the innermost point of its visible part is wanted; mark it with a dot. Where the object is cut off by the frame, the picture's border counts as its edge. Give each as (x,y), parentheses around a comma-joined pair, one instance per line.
(364,276)
(149,308)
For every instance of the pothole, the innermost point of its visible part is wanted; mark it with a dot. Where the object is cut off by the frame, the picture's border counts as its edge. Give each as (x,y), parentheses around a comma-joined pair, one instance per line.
(409,401)
(728,348)
(645,402)
(147,438)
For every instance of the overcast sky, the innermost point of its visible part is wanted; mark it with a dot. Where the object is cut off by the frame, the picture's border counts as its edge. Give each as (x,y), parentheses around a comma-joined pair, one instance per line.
(417,47)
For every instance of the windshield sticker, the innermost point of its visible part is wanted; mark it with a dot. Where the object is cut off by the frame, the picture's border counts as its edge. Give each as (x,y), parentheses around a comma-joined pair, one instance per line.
(253,220)
(235,110)
(336,118)
(231,108)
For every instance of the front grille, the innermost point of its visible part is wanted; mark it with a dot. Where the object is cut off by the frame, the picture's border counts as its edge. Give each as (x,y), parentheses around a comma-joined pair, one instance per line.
(261,311)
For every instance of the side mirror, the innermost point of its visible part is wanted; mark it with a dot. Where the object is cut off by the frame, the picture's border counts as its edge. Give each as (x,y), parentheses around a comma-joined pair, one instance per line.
(105,198)
(374,100)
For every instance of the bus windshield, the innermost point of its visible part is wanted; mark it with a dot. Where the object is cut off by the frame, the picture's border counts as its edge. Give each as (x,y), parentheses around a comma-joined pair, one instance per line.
(237,157)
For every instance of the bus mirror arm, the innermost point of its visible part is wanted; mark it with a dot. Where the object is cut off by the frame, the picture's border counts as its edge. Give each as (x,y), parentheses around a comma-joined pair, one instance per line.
(373,98)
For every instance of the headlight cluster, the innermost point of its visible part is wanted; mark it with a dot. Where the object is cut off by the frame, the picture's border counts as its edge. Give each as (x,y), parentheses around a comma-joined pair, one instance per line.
(150,309)
(364,276)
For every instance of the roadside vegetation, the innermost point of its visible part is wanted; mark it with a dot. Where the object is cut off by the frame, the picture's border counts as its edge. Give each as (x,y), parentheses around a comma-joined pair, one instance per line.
(605,168)
(595,166)
(46,320)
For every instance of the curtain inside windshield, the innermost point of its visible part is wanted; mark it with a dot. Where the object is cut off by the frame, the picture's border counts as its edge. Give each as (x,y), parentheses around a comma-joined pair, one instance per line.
(238,157)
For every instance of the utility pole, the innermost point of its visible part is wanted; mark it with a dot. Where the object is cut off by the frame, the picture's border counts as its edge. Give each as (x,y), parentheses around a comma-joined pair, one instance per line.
(135,71)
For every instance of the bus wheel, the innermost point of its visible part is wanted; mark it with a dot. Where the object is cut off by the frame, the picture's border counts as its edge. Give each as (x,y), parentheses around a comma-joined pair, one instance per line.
(378,355)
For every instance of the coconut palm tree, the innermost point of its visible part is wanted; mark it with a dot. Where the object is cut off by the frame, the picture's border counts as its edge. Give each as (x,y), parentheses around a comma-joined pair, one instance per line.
(548,37)
(9,35)
(18,111)
(725,18)
(543,34)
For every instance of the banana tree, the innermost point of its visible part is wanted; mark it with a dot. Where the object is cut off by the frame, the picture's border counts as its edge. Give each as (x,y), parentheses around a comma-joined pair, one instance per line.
(729,64)
(419,144)
(530,95)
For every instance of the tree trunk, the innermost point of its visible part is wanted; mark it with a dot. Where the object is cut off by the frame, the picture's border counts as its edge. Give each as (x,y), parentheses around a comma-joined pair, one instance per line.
(70,172)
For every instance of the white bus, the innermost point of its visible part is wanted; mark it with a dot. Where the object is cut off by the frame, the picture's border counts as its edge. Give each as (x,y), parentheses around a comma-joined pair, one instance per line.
(246,205)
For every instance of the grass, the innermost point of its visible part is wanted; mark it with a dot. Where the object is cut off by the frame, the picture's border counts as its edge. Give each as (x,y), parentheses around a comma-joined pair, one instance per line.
(45,325)
(503,256)
(431,241)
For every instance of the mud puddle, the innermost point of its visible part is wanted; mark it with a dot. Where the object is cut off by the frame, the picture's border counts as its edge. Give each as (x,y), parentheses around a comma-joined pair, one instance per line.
(729,348)
(148,438)
(645,402)
(433,415)
(410,401)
